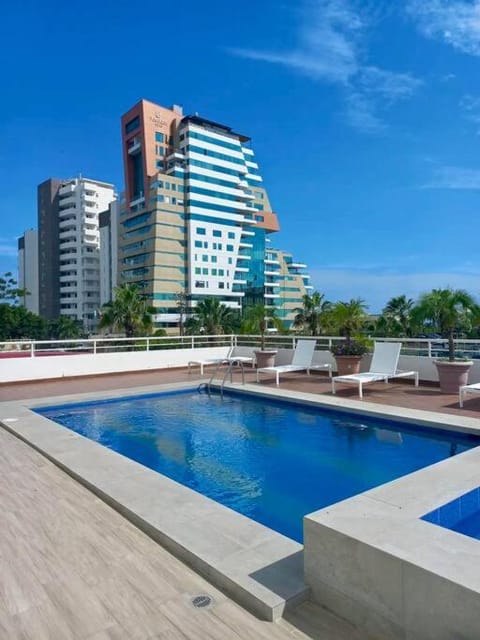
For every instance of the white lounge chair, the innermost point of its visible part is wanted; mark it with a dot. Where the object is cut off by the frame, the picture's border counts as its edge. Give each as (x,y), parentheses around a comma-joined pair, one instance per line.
(467,388)
(301,361)
(229,358)
(383,367)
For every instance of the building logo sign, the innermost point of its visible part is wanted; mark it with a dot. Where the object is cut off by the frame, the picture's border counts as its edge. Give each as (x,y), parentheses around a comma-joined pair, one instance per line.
(157,120)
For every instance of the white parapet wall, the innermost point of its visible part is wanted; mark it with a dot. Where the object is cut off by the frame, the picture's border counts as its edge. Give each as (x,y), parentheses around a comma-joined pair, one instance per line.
(95,360)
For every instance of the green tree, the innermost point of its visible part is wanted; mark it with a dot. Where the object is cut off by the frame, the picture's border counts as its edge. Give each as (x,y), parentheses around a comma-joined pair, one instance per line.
(313,314)
(64,328)
(9,292)
(256,319)
(182,306)
(397,317)
(128,312)
(213,317)
(349,317)
(17,323)
(447,311)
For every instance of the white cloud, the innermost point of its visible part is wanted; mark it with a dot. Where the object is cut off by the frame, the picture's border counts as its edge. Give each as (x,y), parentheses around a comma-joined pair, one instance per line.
(377,286)
(449,177)
(456,22)
(331,48)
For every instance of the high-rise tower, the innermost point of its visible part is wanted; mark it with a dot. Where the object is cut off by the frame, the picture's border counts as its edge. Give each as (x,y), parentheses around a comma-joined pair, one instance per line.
(68,249)
(195,215)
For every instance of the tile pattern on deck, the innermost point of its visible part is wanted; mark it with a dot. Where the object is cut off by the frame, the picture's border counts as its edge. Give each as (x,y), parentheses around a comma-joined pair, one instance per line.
(71,568)
(396,393)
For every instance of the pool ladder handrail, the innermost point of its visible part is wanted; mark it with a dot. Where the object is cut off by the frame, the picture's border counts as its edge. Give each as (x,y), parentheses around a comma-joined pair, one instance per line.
(229,370)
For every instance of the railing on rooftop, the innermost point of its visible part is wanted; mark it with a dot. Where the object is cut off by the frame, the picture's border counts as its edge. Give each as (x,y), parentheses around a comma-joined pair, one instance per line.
(432,348)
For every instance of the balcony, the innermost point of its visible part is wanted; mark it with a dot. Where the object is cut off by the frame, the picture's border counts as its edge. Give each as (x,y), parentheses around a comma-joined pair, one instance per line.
(269,272)
(134,146)
(66,190)
(67,202)
(65,235)
(137,201)
(175,156)
(68,223)
(297,265)
(246,245)
(271,261)
(243,184)
(271,296)
(242,269)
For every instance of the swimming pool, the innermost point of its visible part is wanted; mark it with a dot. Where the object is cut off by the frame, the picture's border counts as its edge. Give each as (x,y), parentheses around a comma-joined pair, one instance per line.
(272,461)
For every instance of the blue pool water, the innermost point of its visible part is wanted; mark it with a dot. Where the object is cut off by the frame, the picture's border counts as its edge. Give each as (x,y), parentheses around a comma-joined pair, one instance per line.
(272,461)
(461,515)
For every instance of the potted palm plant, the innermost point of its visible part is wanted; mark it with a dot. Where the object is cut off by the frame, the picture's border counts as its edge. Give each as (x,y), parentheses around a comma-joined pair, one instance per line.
(449,311)
(255,321)
(348,318)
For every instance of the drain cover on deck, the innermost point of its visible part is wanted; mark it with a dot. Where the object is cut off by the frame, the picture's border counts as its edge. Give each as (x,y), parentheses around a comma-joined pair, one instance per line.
(202,601)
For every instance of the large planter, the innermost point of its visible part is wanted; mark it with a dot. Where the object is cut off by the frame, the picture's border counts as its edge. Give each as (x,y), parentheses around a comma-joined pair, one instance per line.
(348,364)
(452,375)
(265,358)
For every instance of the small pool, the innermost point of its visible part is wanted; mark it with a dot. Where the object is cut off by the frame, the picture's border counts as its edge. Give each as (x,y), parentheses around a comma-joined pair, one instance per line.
(461,515)
(273,461)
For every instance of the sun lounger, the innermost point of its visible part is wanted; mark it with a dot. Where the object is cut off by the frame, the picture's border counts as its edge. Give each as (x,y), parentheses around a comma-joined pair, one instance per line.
(382,368)
(467,388)
(301,361)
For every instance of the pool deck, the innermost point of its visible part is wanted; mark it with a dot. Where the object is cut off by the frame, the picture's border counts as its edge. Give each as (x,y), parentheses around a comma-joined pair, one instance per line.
(397,393)
(72,567)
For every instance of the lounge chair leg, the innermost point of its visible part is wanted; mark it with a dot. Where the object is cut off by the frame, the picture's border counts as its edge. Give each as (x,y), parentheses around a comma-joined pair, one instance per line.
(360,390)
(333,386)
(460,399)
(416,379)
(257,376)
(277,377)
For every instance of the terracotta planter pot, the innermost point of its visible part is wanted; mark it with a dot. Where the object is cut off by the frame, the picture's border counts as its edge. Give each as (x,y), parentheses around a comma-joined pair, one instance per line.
(348,364)
(452,375)
(265,358)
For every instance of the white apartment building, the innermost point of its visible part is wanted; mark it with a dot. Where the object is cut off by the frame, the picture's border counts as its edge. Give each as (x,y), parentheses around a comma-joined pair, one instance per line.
(69,248)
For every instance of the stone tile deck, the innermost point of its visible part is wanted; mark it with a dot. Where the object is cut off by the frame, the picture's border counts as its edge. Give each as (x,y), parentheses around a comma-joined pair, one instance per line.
(71,568)
(397,393)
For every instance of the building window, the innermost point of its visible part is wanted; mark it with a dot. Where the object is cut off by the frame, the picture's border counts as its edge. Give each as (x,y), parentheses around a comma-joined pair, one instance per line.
(230,261)
(200,284)
(201,231)
(159,150)
(198,244)
(204,271)
(159,137)
(197,271)
(221,272)
(229,247)
(231,235)
(221,285)
(132,125)
(214,272)
(204,258)
(159,164)
(214,258)
(217,233)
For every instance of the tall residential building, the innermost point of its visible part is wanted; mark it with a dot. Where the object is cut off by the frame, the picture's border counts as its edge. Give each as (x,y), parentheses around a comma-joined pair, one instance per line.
(286,283)
(28,269)
(195,216)
(69,257)
(108,226)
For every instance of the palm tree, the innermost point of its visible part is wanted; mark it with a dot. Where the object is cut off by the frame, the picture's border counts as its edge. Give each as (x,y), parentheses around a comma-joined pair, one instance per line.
(64,327)
(213,317)
(398,315)
(313,313)
(349,317)
(255,321)
(128,312)
(447,311)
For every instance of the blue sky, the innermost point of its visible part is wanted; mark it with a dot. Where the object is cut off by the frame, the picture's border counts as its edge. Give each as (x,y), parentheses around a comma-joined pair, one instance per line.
(364,114)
